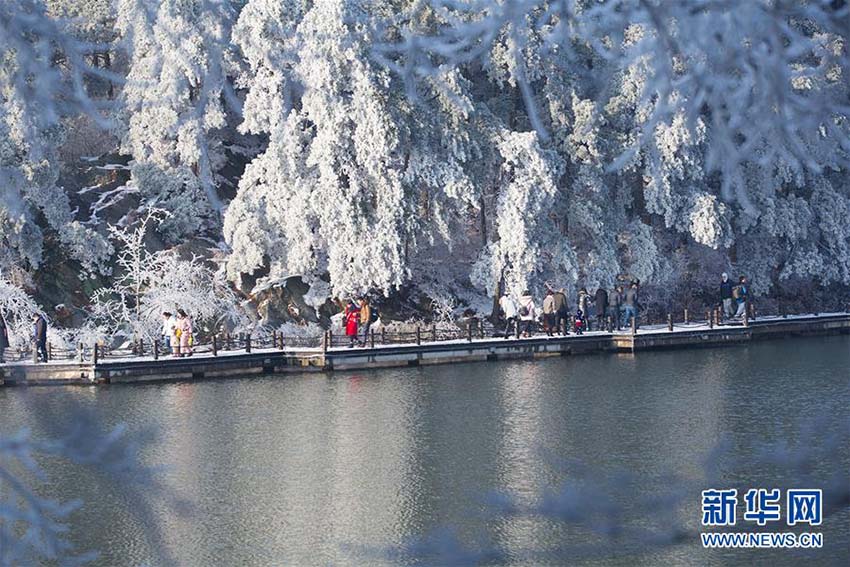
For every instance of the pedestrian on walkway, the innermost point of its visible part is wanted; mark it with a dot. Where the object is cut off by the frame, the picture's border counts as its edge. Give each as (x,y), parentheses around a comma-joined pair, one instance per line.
(351,320)
(169,323)
(580,322)
(4,339)
(600,301)
(365,319)
(630,305)
(509,312)
(548,313)
(40,337)
(741,294)
(527,313)
(726,296)
(615,301)
(583,301)
(562,312)
(187,333)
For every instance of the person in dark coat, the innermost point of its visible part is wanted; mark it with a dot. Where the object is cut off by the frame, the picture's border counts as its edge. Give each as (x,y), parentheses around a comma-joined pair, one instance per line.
(726,296)
(601,302)
(4,339)
(40,336)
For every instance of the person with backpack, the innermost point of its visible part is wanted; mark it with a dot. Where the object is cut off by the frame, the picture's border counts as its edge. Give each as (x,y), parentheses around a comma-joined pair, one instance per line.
(509,312)
(726,296)
(740,293)
(187,333)
(562,311)
(600,300)
(368,315)
(527,313)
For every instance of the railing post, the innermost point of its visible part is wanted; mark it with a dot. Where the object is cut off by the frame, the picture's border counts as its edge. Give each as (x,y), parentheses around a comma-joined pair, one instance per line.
(709,319)
(634,324)
(248,343)
(274,339)
(669,321)
(49,352)
(383,335)
(372,337)
(155,350)
(82,352)
(481,328)
(433,333)
(418,335)
(469,331)
(214,345)
(686,317)
(610,324)
(95,354)
(227,345)
(141,347)
(325,342)
(746,318)
(752,307)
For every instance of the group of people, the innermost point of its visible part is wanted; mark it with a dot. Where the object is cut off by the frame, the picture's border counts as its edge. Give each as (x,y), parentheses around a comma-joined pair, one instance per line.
(734,297)
(522,315)
(178,333)
(39,337)
(357,318)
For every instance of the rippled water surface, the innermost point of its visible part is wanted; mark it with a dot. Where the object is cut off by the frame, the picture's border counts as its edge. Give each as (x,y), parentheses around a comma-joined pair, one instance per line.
(350,468)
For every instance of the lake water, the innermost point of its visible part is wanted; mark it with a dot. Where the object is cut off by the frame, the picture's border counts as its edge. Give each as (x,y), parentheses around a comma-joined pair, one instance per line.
(593,459)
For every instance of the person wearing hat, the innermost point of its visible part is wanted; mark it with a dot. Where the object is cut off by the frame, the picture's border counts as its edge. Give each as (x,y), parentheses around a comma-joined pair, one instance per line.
(726,295)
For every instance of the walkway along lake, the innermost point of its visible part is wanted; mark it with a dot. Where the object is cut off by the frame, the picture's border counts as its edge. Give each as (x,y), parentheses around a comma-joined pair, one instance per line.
(270,358)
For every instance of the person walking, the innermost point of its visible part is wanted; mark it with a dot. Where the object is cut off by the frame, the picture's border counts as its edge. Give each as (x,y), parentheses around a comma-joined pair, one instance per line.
(741,293)
(40,337)
(562,312)
(169,323)
(509,312)
(615,300)
(527,313)
(630,305)
(187,333)
(600,300)
(365,319)
(548,312)
(726,296)
(583,302)
(4,339)
(351,321)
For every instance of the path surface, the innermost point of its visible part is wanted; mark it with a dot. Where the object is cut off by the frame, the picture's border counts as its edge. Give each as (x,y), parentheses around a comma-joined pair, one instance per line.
(237,363)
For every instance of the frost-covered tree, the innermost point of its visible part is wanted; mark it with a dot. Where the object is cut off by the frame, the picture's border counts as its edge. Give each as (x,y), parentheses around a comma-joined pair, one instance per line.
(35,93)
(173,104)
(148,283)
(351,164)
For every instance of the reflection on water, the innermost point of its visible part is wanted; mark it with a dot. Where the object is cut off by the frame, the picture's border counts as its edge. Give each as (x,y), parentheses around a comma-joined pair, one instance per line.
(327,469)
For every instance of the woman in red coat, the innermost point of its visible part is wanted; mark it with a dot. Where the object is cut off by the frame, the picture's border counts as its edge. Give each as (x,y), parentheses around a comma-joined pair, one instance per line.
(351,320)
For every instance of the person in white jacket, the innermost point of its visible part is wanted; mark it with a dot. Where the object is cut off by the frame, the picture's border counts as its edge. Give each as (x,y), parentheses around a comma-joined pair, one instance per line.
(527,313)
(509,310)
(169,323)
